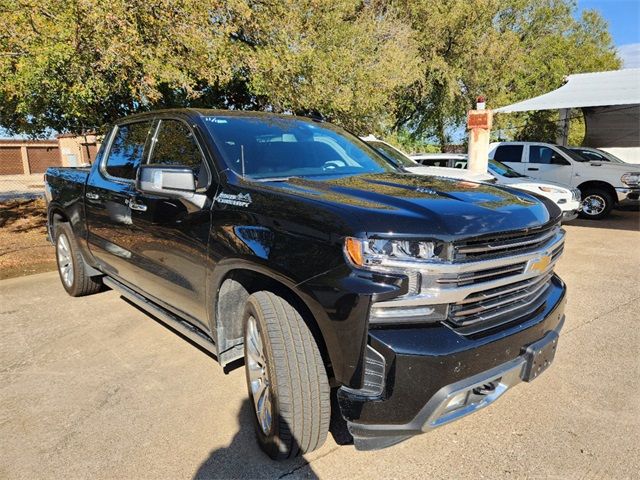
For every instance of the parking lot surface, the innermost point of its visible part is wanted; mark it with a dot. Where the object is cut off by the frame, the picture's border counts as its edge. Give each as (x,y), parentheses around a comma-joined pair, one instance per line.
(93,387)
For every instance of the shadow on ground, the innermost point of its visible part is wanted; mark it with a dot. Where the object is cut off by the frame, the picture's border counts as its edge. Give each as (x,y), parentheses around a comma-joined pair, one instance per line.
(627,219)
(244,459)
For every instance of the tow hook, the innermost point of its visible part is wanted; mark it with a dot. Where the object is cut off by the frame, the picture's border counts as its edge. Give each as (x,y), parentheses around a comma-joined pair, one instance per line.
(485,389)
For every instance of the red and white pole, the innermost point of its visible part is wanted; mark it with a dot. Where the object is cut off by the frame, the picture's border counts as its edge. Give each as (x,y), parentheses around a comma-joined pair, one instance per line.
(479,123)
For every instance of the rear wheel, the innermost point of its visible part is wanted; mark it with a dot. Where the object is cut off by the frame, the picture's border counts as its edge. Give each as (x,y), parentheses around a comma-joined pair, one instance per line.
(71,265)
(596,203)
(286,378)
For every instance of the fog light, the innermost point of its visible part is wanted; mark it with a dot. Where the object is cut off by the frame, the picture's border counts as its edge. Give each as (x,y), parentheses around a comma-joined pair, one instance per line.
(457,401)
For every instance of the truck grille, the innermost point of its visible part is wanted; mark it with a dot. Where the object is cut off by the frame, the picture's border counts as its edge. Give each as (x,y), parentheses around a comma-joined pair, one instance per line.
(504,244)
(491,308)
(470,278)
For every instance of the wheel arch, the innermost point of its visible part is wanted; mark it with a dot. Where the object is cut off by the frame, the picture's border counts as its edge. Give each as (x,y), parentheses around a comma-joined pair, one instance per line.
(599,184)
(55,215)
(230,293)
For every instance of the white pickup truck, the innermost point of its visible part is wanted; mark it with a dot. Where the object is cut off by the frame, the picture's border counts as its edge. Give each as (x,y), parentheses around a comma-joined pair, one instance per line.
(603,184)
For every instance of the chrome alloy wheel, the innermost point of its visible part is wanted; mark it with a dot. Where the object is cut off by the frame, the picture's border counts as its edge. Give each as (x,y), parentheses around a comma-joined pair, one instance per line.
(65,261)
(258,376)
(593,204)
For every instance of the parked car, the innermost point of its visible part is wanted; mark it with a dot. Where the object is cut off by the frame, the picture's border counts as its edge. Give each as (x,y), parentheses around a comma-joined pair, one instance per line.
(596,155)
(291,245)
(402,160)
(603,184)
(567,199)
(439,159)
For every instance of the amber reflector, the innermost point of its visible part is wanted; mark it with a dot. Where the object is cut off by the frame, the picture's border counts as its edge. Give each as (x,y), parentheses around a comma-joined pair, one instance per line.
(354,250)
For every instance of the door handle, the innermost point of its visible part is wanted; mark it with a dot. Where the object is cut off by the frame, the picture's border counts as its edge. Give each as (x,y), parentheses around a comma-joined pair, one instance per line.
(92,196)
(140,207)
(533,169)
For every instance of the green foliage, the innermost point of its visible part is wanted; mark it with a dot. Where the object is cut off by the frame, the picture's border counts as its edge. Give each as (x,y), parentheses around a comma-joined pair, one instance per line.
(506,50)
(404,69)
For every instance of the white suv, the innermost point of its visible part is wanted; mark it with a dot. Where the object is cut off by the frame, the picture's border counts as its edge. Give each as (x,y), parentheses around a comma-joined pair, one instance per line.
(603,184)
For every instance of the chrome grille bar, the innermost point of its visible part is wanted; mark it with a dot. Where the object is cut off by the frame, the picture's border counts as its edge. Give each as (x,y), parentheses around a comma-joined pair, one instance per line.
(473,277)
(498,245)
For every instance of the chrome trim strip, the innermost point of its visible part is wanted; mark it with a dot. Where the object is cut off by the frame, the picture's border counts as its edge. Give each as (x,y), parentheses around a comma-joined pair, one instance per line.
(529,305)
(483,296)
(439,295)
(495,304)
(493,273)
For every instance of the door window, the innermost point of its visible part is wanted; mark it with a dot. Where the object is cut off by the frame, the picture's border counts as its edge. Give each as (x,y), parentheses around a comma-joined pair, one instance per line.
(508,153)
(175,145)
(545,156)
(127,150)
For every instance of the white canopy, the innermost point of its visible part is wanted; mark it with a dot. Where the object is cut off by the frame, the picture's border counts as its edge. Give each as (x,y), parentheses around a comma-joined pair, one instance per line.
(619,87)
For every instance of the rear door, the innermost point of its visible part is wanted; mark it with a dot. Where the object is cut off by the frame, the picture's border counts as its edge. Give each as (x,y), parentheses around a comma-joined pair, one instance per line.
(546,163)
(112,234)
(511,155)
(172,252)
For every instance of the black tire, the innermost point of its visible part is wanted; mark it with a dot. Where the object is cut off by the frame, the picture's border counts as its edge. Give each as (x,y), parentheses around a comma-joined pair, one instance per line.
(298,388)
(597,203)
(71,266)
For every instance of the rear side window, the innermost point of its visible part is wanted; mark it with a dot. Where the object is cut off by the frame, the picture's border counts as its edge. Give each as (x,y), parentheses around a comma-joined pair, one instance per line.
(175,145)
(127,150)
(508,153)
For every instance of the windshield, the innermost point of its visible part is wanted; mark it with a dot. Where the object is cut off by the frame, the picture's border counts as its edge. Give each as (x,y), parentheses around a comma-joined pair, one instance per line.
(574,155)
(501,169)
(269,147)
(394,155)
(596,155)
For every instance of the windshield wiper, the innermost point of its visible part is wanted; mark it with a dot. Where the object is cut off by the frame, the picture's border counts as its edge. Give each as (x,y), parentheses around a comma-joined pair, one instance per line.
(274,179)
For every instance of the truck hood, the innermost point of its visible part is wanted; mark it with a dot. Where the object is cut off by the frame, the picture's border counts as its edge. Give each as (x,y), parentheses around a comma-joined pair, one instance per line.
(457,173)
(406,204)
(529,183)
(615,167)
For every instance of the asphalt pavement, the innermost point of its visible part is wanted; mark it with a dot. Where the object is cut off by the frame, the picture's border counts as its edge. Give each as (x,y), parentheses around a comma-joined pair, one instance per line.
(95,388)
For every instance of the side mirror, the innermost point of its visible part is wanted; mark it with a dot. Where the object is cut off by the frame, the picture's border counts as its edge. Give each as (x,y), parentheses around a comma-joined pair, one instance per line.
(170,180)
(558,160)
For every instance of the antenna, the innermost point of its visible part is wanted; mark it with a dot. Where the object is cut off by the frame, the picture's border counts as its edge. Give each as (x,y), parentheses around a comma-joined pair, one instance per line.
(242,159)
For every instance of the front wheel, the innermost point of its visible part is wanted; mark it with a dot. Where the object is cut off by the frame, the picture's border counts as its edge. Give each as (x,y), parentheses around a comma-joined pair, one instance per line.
(596,203)
(286,378)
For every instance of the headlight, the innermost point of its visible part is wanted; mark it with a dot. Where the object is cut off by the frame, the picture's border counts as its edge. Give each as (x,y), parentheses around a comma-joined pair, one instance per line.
(382,252)
(577,194)
(551,190)
(405,257)
(631,179)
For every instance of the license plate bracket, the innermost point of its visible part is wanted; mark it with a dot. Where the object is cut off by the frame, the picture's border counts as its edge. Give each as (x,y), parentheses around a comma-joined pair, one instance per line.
(539,356)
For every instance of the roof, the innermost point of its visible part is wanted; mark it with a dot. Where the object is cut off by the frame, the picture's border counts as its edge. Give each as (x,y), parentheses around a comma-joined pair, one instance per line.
(435,156)
(618,87)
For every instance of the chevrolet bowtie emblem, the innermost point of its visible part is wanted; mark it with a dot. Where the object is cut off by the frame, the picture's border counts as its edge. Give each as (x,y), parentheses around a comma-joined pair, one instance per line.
(541,264)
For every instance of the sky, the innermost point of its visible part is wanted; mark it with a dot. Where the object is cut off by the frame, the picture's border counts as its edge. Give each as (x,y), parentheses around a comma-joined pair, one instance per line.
(624,25)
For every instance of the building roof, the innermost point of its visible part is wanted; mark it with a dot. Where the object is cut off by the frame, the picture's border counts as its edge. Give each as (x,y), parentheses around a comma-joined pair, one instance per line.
(618,87)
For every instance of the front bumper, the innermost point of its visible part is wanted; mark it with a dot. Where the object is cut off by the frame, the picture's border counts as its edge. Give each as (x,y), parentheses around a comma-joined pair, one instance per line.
(628,196)
(569,215)
(426,367)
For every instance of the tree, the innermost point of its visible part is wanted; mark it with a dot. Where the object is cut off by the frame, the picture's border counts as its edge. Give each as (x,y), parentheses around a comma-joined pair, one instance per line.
(72,65)
(506,50)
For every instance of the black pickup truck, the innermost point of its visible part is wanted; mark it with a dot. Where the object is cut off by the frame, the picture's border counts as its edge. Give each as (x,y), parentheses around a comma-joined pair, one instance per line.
(291,245)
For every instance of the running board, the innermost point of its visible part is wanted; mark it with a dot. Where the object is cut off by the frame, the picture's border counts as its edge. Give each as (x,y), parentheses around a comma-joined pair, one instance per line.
(173,321)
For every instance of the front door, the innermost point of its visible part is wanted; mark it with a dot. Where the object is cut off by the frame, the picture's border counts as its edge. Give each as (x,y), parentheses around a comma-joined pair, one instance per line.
(172,250)
(546,163)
